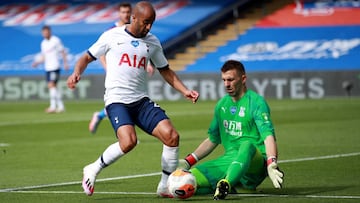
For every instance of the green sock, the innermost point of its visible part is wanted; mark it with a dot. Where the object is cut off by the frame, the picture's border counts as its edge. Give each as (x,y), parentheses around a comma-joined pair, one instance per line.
(241,164)
(203,185)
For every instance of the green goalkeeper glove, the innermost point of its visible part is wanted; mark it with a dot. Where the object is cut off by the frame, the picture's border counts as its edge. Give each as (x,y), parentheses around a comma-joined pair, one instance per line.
(274,172)
(189,161)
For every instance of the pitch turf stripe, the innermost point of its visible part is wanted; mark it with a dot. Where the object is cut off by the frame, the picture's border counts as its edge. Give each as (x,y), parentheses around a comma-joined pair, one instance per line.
(153,193)
(80,119)
(27,122)
(158,173)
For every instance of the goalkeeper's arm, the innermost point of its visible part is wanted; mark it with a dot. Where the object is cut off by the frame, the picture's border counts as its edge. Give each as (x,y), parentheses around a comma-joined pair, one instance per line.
(204,149)
(274,172)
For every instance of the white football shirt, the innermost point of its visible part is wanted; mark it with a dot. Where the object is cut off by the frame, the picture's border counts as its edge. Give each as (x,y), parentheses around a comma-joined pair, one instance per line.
(126,60)
(51,50)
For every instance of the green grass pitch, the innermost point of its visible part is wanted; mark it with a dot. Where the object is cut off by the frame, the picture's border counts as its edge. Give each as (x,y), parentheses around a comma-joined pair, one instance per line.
(42,155)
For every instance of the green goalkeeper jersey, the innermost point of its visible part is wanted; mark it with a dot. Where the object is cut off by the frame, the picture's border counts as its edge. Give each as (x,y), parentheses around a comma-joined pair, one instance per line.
(245,120)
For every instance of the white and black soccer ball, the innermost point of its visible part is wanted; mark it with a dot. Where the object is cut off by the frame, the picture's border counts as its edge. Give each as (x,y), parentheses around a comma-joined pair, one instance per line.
(181,184)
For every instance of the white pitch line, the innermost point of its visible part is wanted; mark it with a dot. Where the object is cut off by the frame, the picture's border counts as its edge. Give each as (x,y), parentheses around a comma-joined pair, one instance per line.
(4,144)
(158,173)
(78,182)
(319,157)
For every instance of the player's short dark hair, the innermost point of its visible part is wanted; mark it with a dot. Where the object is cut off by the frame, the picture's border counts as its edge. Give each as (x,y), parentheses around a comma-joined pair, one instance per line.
(46,27)
(125,4)
(233,64)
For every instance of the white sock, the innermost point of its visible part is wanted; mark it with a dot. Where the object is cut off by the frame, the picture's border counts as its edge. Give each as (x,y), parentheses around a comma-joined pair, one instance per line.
(53,95)
(169,162)
(109,156)
(59,102)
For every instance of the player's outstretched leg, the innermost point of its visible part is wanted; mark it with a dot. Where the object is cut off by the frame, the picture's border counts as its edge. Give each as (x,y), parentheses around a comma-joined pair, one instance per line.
(222,189)
(109,156)
(89,177)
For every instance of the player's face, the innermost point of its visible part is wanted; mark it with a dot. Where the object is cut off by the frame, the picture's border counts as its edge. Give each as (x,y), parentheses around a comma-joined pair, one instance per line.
(143,23)
(46,33)
(124,14)
(234,83)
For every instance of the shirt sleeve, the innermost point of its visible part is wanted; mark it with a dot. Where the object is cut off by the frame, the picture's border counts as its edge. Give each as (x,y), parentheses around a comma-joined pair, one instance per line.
(158,57)
(214,130)
(101,46)
(263,119)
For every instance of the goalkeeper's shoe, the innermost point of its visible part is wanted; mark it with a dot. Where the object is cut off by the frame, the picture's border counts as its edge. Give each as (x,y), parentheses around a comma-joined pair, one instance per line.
(222,189)
(94,123)
(88,182)
(162,191)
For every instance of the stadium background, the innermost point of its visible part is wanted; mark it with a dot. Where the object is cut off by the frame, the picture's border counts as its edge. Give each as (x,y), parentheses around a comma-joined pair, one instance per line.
(304,50)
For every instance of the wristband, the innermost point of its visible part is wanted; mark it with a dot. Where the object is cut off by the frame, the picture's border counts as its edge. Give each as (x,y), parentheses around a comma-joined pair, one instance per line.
(191,159)
(271,159)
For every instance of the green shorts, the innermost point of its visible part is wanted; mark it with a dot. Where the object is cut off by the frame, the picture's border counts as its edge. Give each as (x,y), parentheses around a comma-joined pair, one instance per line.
(207,174)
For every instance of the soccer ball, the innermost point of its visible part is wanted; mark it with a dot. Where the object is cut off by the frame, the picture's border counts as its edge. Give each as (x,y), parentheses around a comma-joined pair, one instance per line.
(181,184)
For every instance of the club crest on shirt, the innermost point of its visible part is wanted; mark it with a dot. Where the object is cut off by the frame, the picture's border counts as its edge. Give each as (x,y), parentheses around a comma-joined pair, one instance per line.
(242,111)
(135,43)
(233,110)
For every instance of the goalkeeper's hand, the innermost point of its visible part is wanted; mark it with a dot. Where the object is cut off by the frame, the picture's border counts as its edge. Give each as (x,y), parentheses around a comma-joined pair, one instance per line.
(189,161)
(274,172)
(183,164)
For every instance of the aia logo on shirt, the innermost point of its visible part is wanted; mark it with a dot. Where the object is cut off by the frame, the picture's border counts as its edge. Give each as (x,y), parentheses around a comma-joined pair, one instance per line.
(133,61)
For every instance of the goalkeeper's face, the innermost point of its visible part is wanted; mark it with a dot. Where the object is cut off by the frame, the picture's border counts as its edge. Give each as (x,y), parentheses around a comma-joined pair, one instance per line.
(234,83)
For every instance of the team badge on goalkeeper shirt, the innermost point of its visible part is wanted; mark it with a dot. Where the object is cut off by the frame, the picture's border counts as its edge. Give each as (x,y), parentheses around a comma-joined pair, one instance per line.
(242,111)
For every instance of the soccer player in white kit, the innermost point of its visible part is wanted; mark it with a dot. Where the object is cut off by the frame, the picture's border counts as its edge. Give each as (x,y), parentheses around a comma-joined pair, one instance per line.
(128,50)
(124,18)
(51,48)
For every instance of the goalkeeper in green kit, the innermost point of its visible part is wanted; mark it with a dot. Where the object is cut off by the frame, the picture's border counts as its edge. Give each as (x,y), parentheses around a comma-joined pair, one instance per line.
(242,124)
